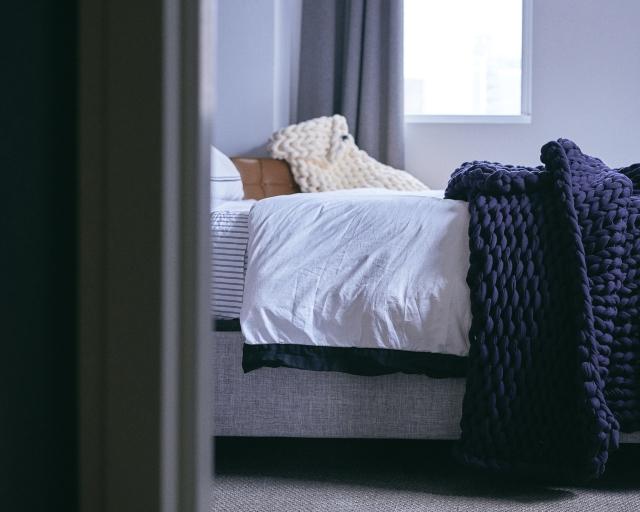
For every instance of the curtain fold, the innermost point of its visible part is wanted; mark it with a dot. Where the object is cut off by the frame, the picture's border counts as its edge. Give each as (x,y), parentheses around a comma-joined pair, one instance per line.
(351,64)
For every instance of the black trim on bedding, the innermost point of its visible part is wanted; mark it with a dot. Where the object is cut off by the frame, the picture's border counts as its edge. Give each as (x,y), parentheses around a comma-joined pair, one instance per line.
(357,361)
(226,324)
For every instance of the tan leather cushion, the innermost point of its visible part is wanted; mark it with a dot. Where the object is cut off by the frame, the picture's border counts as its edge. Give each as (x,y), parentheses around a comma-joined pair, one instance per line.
(265,177)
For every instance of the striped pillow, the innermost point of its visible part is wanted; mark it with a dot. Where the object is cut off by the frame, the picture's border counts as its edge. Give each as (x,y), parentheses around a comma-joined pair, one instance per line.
(229,237)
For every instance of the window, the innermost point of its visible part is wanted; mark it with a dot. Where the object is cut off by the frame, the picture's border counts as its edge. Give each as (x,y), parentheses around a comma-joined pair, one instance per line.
(467,60)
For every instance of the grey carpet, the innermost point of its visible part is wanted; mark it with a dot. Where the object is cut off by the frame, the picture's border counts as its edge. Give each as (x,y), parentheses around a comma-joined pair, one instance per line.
(257,475)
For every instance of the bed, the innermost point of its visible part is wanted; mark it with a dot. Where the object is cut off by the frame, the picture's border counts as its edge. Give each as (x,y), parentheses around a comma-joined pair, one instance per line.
(287,402)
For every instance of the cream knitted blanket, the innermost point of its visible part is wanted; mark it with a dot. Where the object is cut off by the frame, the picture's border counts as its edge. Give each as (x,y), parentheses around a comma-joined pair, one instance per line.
(323,156)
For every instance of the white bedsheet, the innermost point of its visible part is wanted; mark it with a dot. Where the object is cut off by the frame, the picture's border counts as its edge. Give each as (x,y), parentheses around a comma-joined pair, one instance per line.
(359,268)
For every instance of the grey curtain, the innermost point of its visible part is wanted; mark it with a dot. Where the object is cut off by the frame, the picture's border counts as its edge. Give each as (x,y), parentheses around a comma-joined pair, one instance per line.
(351,64)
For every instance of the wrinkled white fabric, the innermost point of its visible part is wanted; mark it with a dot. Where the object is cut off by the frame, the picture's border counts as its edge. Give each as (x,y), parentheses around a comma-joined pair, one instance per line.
(359,268)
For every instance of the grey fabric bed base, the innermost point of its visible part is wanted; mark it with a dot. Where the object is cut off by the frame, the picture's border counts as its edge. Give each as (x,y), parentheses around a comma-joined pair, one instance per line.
(283,402)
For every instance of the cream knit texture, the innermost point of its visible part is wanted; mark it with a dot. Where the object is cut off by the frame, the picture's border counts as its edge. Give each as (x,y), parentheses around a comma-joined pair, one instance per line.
(323,156)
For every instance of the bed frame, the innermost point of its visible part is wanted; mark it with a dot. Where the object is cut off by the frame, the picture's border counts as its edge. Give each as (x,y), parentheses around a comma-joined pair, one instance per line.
(284,402)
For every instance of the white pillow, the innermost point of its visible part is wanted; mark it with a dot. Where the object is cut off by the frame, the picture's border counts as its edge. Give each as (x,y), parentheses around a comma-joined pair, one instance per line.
(236,206)
(226,184)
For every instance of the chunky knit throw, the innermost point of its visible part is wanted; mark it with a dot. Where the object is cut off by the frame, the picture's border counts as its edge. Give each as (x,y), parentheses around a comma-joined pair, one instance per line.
(554,365)
(323,156)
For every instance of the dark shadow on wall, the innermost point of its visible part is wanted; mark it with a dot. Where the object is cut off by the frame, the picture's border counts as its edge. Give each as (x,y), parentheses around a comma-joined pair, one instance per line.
(38,417)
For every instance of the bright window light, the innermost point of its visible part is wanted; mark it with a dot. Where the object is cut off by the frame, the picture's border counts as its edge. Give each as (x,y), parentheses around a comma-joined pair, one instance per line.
(463,57)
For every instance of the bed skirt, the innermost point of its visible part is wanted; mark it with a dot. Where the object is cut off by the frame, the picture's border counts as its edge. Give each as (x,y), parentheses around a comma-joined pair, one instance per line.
(284,402)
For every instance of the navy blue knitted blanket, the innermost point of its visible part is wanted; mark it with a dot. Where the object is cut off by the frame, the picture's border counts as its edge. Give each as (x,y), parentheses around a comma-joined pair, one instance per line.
(554,364)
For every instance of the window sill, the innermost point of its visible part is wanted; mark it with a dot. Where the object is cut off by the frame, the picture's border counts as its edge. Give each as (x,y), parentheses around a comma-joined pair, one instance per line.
(419,119)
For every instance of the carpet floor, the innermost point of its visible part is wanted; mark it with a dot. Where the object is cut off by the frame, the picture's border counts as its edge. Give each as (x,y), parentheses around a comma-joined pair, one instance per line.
(256,475)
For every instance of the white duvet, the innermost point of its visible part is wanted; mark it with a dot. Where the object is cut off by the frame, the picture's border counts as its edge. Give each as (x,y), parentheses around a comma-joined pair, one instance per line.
(359,268)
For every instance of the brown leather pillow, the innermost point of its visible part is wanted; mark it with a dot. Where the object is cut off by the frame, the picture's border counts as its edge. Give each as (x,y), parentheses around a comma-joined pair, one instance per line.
(265,177)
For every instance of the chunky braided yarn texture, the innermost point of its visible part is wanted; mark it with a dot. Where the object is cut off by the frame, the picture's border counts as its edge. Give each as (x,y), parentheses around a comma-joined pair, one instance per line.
(323,156)
(554,363)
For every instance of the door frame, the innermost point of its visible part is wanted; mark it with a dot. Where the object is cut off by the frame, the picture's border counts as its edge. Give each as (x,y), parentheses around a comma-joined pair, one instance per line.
(145,125)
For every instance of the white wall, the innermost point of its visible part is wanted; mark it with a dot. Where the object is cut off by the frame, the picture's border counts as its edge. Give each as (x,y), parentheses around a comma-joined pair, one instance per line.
(586,87)
(258,48)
